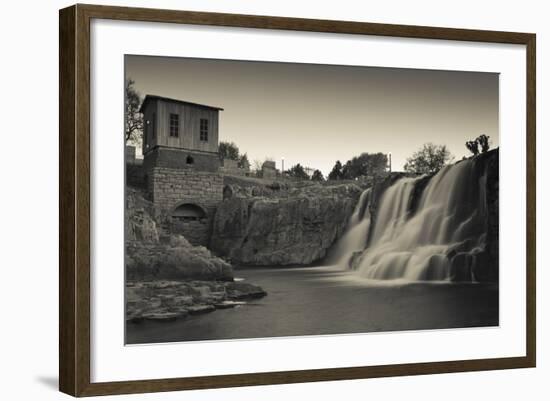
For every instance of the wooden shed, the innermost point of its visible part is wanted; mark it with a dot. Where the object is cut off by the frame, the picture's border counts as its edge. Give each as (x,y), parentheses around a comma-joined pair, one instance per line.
(179,124)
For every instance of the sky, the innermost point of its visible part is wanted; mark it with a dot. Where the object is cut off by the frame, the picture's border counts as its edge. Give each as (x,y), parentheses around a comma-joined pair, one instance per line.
(315,114)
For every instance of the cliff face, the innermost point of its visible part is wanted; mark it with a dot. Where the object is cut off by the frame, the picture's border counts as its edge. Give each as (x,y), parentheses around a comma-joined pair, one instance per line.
(491,162)
(293,227)
(139,223)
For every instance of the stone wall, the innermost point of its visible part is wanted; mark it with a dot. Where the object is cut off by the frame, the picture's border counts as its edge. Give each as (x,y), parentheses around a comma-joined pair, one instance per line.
(182,159)
(231,167)
(170,188)
(130,154)
(135,176)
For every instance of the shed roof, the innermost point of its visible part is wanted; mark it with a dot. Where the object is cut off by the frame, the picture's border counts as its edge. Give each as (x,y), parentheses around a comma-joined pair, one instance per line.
(167,99)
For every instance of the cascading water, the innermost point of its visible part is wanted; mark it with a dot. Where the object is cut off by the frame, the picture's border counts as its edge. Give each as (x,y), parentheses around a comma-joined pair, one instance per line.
(437,233)
(355,238)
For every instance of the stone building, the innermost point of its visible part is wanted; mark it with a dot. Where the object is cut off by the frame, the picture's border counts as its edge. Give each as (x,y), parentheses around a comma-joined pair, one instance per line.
(269,170)
(181,164)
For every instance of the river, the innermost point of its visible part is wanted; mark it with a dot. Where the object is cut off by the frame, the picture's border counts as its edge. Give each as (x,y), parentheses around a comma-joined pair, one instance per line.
(328,300)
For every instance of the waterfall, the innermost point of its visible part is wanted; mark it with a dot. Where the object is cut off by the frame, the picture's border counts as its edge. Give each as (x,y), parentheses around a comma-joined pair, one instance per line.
(436,232)
(355,237)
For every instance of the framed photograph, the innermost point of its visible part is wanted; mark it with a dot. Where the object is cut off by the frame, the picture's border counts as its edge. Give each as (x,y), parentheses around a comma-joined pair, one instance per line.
(250,200)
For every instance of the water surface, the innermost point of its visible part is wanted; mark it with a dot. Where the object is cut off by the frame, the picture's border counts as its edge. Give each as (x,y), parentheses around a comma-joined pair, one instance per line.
(326,300)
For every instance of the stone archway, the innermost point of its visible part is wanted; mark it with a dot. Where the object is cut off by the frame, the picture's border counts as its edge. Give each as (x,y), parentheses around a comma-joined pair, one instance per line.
(188,212)
(191,221)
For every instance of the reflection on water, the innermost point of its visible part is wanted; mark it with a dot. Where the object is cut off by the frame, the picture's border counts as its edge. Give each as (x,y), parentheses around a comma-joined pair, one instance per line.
(328,300)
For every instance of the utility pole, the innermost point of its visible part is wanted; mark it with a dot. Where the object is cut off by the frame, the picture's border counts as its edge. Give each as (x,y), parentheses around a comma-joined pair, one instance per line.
(283,165)
(389,157)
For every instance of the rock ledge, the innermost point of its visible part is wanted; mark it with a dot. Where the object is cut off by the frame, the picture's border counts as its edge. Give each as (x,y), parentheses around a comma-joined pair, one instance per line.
(164,300)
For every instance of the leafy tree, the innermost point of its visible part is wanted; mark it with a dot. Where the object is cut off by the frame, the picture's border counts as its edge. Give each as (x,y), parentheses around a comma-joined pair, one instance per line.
(483,141)
(336,172)
(429,159)
(317,176)
(351,169)
(133,118)
(473,147)
(228,150)
(297,171)
(243,162)
(366,164)
(376,163)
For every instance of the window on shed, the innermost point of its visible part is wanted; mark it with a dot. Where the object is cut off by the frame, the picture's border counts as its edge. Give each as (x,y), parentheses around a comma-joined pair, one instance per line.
(174,125)
(204,130)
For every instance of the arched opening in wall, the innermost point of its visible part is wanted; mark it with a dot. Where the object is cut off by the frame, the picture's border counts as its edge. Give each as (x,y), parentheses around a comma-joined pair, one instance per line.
(189,160)
(227,192)
(188,212)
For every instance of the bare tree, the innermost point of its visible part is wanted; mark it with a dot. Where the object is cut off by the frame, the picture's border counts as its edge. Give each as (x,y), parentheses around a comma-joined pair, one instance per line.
(257,167)
(133,118)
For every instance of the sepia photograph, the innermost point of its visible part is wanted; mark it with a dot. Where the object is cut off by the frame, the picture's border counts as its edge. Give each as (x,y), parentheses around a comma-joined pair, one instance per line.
(272,199)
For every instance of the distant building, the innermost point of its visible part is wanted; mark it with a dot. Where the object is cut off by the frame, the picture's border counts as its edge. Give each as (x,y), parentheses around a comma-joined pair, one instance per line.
(181,164)
(269,171)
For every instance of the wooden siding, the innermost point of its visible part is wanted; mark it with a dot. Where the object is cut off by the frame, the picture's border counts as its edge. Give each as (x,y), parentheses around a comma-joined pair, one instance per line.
(189,126)
(150,131)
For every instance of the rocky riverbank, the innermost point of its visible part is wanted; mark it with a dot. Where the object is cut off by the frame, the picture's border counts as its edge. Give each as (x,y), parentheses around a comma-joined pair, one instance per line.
(168,278)
(163,300)
(154,254)
(174,259)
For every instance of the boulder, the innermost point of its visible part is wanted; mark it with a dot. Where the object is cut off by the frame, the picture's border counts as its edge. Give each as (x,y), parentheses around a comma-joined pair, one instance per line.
(239,291)
(200,309)
(229,304)
(483,267)
(461,267)
(177,259)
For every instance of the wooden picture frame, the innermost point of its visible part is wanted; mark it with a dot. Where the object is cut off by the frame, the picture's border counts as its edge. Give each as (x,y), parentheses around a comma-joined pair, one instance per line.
(74,203)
